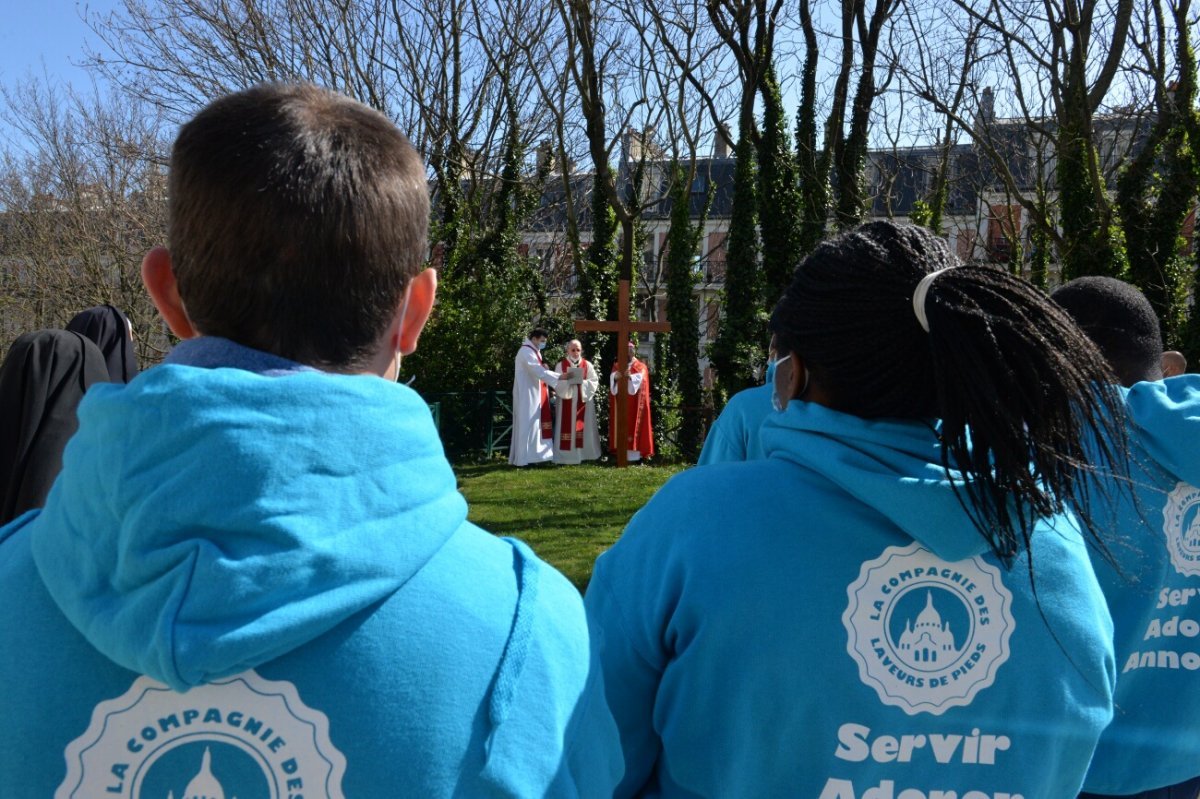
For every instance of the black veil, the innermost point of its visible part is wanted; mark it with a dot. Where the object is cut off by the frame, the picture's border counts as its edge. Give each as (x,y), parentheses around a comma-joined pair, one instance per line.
(42,379)
(109,329)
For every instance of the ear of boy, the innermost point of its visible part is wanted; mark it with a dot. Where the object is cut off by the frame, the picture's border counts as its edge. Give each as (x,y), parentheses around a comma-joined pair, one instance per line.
(407,323)
(159,279)
(417,305)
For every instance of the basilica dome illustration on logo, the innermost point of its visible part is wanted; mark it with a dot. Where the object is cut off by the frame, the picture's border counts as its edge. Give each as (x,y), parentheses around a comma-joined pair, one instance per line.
(204,785)
(1192,537)
(927,639)
(1181,526)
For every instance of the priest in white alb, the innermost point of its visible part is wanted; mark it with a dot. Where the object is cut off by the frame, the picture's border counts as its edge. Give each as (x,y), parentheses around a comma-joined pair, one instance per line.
(532,438)
(576,438)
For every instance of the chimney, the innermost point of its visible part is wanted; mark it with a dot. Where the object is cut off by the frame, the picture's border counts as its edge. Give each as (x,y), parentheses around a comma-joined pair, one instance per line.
(722,142)
(987,108)
(631,143)
(650,145)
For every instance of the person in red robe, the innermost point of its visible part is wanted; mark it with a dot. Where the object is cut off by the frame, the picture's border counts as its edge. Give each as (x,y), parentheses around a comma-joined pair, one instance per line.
(640,440)
(576,438)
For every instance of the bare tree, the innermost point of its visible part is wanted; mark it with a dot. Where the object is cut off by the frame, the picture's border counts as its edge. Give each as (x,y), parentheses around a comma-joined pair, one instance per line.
(82,204)
(1054,65)
(433,66)
(941,64)
(607,68)
(449,72)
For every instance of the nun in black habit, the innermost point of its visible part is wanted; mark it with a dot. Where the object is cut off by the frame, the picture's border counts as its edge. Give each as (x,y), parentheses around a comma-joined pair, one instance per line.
(42,379)
(112,333)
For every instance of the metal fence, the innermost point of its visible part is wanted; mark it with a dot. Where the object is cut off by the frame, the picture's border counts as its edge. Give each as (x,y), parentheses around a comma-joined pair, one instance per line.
(472,422)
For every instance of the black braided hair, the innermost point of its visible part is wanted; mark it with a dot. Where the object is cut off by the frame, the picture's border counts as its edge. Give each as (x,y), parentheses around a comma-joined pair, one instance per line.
(1018,387)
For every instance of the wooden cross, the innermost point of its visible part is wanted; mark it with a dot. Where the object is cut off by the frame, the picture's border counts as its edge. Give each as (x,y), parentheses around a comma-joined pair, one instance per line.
(622,327)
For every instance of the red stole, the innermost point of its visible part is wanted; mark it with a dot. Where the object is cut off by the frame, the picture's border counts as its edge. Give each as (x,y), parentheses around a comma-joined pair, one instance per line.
(547,421)
(567,421)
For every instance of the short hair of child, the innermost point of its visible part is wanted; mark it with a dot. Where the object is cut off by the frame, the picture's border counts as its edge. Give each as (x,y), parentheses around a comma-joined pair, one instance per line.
(297,217)
(1121,322)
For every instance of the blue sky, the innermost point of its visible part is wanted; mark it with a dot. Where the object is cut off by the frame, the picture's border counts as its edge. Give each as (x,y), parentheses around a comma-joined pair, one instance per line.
(47,35)
(45,31)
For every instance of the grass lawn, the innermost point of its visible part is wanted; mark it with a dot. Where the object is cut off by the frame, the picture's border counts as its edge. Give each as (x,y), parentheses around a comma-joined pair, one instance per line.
(568,515)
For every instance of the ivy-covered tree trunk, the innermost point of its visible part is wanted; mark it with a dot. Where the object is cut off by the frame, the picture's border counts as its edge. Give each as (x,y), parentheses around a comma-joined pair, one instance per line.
(597,281)
(665,411)
(779,196)
(512,202)
(1040,246)
(849,162)
(489,290)
(1190,340)
(741,339)
(1155,194)
(812,166)
(1094,245)
(937,201)
(633,235)
(453,228)
(939,193)
(683,350)
(850,154)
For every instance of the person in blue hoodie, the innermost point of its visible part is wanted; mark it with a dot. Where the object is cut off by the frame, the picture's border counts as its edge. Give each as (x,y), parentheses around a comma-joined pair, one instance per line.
(733,435)
(255,576)
(884,607)
(1151,570)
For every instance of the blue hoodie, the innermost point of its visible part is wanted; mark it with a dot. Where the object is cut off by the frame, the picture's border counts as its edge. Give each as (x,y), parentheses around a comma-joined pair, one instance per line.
(827,623)
(734,434)
(263,583)
(1154,738)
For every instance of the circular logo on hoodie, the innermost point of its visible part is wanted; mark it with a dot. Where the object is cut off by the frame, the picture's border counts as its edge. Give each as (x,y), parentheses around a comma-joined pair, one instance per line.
(927,634)
(1181,525)
(240,737)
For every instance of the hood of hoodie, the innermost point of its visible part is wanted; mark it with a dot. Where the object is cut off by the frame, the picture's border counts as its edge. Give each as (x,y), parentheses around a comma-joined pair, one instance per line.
(208,520)
(891,465)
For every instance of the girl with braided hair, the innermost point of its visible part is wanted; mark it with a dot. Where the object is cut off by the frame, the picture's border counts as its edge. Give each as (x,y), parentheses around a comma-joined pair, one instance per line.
(897,601)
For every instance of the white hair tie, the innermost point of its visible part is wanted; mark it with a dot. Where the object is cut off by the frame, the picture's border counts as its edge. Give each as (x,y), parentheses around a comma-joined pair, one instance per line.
(919,295)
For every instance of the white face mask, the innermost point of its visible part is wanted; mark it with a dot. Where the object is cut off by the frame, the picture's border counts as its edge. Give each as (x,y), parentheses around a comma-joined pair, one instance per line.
(769,376)
(776,403)
(541,346)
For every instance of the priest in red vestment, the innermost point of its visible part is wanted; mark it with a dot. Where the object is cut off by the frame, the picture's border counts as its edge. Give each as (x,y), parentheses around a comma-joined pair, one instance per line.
(640,441)
(576,438)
